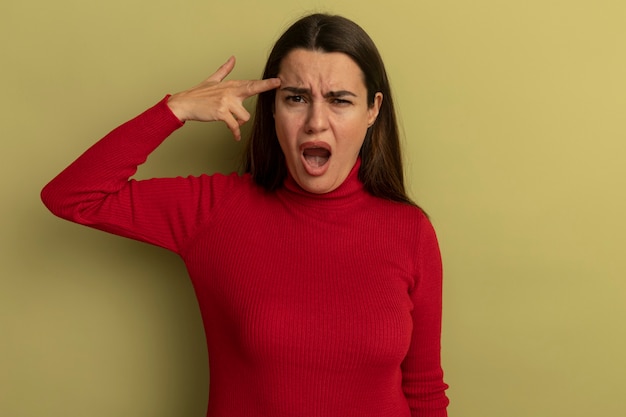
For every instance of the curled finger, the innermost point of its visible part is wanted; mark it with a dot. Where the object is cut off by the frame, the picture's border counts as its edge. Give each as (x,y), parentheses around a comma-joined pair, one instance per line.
(241,115)
(233,125)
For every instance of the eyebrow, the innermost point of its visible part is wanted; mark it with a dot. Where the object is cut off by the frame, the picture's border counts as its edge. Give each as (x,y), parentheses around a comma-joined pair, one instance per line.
(330,94)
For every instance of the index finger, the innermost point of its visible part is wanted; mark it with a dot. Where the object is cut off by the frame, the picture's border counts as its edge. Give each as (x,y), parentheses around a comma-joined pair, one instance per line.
(254,87)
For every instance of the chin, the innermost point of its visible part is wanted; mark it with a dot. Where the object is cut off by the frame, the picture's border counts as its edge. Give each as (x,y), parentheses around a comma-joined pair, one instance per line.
(316,185)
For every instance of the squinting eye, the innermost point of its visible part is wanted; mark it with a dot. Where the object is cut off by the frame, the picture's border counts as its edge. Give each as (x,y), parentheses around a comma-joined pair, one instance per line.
(341,101)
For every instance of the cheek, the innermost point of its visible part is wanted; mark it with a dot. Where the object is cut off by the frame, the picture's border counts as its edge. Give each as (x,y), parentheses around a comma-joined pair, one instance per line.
(286,127)
(356,131)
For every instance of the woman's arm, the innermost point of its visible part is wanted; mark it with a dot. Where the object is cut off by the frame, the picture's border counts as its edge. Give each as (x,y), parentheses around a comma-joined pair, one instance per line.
(96,189)
(421,370)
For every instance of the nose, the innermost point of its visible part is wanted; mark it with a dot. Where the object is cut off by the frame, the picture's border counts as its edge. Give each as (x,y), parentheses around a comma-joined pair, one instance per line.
(317,118)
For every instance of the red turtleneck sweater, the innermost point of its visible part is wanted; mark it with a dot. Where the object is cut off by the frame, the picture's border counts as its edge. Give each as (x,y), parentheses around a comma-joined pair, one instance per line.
(313,305)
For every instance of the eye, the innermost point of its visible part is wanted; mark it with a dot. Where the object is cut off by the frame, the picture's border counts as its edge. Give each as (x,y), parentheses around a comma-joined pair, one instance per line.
(340,101)
(295,99)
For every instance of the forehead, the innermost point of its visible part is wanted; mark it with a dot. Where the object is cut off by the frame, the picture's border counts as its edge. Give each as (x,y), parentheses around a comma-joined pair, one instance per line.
(303,67)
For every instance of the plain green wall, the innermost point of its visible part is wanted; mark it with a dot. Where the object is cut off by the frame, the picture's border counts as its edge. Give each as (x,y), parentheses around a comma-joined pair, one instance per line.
(514,114)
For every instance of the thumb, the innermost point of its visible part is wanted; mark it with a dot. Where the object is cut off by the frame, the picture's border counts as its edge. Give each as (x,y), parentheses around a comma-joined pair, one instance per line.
(223,70)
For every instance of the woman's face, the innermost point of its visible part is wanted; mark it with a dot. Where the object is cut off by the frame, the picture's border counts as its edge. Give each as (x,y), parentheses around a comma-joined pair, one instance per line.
(321,116)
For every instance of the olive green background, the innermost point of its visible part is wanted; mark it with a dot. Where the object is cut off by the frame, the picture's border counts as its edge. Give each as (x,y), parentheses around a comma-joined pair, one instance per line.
(515,135)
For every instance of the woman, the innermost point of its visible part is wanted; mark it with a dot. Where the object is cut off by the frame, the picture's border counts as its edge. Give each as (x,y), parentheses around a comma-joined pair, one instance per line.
(318,280)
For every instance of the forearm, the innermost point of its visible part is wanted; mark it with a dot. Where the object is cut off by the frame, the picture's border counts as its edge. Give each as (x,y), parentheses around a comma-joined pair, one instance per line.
(106,167)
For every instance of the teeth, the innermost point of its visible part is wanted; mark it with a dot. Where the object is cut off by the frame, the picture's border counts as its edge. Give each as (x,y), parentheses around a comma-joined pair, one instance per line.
(316,156)
(316,160)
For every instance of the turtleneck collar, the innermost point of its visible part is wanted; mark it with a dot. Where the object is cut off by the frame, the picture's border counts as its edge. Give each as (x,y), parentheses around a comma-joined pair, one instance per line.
(350,191)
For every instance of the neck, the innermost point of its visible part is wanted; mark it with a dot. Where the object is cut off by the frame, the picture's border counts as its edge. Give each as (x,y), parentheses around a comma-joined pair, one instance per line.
(349,192)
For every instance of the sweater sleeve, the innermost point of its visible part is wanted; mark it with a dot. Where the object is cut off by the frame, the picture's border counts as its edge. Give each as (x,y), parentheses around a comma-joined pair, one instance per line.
(96,189)
(422,373)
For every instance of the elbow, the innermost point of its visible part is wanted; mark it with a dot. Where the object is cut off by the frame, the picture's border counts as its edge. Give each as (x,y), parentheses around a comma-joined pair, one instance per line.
(48,198)
(55,200)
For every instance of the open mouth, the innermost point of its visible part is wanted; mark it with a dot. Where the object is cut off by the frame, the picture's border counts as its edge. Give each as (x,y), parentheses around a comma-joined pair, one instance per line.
(315,157)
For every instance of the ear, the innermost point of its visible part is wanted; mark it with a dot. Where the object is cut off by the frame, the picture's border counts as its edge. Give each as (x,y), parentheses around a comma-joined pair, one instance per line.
(372,111)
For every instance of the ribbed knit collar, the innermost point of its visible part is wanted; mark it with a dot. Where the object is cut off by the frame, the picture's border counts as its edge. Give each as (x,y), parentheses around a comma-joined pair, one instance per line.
(350,192)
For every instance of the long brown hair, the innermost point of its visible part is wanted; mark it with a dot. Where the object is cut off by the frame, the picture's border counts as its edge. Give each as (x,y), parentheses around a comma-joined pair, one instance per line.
(381,160)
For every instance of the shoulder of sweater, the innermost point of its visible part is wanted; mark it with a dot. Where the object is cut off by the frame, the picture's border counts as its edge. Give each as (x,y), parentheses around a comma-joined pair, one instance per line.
(229,185)
(400,209)
(231,179)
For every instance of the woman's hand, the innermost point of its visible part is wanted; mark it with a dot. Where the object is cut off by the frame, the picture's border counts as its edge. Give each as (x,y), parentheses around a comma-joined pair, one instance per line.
(215,99)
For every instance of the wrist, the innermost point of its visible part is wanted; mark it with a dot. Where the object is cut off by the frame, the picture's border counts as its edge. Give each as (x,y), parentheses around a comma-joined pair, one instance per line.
(176,108)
